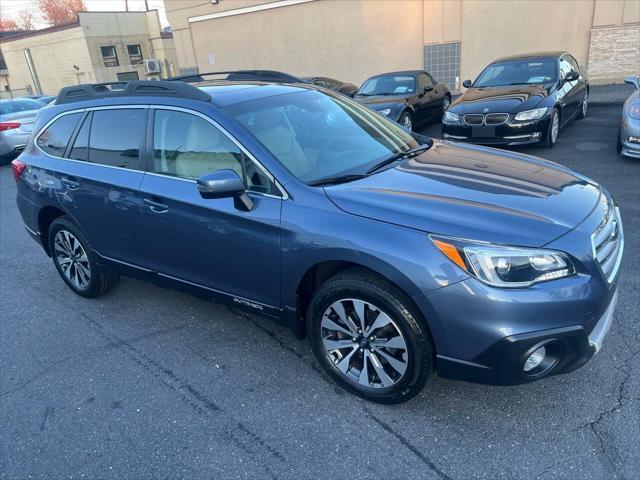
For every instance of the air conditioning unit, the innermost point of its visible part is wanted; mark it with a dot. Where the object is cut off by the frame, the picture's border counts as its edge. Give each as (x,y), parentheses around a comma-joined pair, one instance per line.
(151,66)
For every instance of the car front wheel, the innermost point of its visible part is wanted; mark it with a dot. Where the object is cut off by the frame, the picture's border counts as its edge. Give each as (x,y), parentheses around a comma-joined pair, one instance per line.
(406,121)
(554,129)
(368,337)
(76,262)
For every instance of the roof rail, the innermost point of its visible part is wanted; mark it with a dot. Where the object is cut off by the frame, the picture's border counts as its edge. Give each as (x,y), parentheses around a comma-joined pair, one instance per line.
(134,88)
(239,75)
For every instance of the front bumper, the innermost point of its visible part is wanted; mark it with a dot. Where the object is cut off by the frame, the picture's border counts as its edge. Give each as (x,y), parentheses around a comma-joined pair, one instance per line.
(629,149)
(509,133)
(503,363)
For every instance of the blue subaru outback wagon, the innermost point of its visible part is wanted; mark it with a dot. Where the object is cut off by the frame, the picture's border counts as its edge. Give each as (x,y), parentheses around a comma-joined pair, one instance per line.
(395,254)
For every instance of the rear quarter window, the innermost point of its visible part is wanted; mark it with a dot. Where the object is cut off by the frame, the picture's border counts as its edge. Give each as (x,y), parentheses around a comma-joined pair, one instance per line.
(56,136)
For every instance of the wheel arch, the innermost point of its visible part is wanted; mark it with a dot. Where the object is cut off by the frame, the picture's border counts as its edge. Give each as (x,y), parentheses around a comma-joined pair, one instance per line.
(317,273)
(46,216)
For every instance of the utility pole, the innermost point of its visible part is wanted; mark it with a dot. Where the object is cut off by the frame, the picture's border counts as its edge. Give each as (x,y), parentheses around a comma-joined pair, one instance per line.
(126,5)
(146,5)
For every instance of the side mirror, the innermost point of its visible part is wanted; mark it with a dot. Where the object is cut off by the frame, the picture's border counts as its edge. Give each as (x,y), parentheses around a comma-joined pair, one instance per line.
(633,80)
(571,76)
(466,83)
(225,184)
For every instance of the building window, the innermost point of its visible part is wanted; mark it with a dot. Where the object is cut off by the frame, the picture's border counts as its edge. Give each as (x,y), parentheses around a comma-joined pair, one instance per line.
(442,61)
(110,56)
(135,54)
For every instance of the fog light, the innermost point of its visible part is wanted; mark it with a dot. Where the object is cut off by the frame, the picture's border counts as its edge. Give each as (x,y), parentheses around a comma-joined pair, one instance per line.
(634,139)
(535,359)
(535,135)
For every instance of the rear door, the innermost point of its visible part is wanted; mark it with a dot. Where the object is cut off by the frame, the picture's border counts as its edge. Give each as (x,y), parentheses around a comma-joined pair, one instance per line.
(100,178)
(209,242)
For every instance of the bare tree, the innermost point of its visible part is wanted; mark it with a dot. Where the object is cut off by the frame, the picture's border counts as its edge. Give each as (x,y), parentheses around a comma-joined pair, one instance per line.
(60,12)
(27,20)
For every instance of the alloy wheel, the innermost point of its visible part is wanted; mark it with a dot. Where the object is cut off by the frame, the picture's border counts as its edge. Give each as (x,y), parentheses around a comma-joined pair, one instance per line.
(585,104)
(555,127)
(72,259)
(364,344)
(406,121)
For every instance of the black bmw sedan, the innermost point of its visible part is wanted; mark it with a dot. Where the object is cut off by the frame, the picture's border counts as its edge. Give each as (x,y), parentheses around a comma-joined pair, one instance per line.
(519,100)
(409,97)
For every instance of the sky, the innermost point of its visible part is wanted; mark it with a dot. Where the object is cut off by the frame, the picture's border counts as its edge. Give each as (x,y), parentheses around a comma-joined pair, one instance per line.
(11,8)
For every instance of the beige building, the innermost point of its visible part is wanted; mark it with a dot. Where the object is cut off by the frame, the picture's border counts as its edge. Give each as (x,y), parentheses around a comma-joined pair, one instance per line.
(100,47)
(353,39)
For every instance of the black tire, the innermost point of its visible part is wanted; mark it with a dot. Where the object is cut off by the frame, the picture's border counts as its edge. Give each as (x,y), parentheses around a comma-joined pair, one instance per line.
(619,143)
(548,141)
(98,282)
(406,120)
(361,285)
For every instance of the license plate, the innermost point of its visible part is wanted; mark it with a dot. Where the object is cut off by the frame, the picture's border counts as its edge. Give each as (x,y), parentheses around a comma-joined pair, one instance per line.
(483,132)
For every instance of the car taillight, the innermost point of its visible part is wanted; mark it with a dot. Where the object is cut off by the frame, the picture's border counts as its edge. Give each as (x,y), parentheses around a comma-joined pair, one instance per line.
(17,168)
(8,126)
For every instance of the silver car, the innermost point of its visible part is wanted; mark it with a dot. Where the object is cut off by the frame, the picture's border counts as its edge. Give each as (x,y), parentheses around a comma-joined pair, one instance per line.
(629,133)
(17,116)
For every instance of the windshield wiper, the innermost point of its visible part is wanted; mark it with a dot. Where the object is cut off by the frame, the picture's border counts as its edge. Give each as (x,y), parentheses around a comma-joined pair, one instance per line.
(336,180)
(397,156)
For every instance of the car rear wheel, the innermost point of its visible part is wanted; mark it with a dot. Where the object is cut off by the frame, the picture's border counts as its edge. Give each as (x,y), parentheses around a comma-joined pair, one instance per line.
(76,262)
(368,338)
(406,120)
(553,130)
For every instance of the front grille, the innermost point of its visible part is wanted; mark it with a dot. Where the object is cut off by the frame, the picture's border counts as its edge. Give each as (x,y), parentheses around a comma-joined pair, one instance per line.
(495,118)
(473,118)
(608,243)
(488,119)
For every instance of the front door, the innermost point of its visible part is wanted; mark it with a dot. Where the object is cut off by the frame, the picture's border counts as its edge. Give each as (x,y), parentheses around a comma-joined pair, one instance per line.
(209,242)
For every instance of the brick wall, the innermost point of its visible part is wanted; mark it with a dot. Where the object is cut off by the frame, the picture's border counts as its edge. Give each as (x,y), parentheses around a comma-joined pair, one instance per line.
(614,53)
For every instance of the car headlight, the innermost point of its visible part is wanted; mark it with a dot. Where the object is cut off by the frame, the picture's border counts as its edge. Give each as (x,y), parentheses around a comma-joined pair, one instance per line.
(534,114)
(384,112)
(634,111)
(451,117)
(502,266)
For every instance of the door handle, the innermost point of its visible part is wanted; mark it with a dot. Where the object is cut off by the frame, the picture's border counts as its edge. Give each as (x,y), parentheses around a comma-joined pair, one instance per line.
(155,207)
(70,182)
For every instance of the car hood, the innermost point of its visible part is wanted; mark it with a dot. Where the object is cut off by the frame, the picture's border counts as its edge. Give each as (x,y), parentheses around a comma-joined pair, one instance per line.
(379,101)
(474,192)
(500,99)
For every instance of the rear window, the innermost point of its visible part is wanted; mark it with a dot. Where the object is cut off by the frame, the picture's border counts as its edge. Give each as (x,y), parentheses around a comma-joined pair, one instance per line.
(55,138)
(19,105)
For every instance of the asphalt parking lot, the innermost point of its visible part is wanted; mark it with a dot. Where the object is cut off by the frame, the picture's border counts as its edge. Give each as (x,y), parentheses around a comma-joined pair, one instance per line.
(150,383)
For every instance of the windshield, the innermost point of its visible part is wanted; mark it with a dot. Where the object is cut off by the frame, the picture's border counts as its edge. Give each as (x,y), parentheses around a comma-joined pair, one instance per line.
(519,72)
(318,136)
(19,105)
(389,85)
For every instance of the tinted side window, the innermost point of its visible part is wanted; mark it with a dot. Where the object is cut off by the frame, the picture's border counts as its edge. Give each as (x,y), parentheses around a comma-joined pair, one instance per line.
(55,138)
(424,81)
(188,146)
(80,149)
(573,62)
(565,67)
(116,137)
